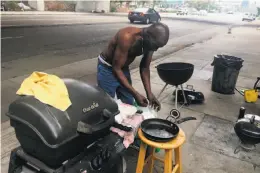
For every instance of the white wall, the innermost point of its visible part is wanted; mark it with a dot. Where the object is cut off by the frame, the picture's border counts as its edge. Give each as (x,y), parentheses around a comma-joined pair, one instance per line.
(87,6)
(32,4)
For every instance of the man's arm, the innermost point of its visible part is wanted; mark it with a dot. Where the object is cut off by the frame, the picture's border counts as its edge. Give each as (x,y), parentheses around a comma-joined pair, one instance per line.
(145,75)
(120,57)
(145,72)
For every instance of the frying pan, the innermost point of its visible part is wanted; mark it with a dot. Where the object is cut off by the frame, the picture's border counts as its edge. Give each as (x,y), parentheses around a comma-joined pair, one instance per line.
(162,130)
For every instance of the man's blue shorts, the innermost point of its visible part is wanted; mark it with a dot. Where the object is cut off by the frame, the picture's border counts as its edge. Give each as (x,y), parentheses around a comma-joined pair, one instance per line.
(108,82)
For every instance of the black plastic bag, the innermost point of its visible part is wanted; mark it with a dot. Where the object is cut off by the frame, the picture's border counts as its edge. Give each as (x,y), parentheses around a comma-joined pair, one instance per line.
(228,61)
(225,73)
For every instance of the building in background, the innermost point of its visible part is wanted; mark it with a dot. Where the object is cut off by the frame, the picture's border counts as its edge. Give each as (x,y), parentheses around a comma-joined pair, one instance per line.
(66,5)
(174,3)
(250,6)
(225,6)
(90,6)
(93,6)
(229,5)
(128,5)
(239,5)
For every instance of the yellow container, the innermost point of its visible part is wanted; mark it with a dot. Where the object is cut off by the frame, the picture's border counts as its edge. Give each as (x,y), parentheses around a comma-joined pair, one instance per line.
(251,96)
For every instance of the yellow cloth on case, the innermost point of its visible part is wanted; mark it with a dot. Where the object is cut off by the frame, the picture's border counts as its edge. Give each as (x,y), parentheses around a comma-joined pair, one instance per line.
(48,89)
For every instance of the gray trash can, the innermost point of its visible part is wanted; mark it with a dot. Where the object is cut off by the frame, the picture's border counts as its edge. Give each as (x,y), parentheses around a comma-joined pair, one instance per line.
(225,73)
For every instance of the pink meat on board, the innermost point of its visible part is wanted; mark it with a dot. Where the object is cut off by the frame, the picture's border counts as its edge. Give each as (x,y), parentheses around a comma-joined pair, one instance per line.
(129,137)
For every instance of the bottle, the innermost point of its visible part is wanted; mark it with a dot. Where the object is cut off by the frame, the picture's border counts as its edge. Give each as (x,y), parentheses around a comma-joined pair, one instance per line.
(157,150)
(242,111)
(135,104)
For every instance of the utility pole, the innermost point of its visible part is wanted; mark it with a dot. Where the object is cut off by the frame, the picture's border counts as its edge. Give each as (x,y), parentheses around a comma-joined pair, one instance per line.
(208,4)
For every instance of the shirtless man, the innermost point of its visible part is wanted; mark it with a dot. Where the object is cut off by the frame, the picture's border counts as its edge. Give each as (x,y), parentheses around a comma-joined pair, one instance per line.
(113,63)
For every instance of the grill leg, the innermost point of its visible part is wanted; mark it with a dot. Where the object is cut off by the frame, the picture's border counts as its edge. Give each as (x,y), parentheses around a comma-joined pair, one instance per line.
(185,100)
(162,91)
(176,98)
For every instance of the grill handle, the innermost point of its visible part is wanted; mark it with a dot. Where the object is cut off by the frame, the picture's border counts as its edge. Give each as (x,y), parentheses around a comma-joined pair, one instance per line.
(90,129)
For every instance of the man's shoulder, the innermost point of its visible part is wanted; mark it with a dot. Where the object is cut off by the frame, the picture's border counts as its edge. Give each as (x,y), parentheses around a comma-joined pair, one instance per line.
(128,33)
(129,28)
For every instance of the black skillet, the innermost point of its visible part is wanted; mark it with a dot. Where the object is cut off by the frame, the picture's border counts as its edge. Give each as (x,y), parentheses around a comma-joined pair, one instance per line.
(162,130)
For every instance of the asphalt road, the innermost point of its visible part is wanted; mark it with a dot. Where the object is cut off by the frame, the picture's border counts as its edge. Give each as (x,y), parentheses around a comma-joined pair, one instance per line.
(49,47)
(18,20)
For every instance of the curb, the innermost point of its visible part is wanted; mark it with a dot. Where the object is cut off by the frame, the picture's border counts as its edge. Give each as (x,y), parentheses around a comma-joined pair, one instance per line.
(168,17)
(114,14)
(253,26)
(190,20)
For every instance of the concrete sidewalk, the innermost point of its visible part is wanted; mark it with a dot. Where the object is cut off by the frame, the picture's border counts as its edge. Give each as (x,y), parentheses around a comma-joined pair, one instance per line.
(210,140)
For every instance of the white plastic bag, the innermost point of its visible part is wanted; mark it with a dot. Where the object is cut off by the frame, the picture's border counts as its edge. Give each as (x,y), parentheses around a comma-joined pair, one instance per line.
(148,112)
(126,111)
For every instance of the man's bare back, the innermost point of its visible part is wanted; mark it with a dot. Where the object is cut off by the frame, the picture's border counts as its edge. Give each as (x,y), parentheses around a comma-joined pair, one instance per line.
(122,50)
(131,34)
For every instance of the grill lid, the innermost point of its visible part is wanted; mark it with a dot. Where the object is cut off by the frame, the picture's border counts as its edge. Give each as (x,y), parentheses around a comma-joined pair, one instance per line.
(90,105)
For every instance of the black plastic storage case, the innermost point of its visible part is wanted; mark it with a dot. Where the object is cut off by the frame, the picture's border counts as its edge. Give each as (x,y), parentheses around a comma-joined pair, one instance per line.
(51,135)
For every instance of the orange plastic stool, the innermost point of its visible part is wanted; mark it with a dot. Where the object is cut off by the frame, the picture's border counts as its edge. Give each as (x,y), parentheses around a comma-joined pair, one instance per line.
(174,144)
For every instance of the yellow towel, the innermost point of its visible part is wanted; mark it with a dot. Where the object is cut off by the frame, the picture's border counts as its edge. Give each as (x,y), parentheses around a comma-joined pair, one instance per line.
(47,88)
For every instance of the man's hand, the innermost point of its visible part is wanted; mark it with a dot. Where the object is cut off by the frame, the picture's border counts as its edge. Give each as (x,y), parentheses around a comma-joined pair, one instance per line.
(141,100)
(153,101)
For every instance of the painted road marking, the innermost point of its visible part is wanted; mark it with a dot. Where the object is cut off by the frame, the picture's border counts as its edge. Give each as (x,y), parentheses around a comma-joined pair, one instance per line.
(5,38)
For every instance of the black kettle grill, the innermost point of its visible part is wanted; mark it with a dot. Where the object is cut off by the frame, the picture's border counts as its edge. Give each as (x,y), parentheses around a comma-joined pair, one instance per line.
(76,140)
(175,74)
(247,129)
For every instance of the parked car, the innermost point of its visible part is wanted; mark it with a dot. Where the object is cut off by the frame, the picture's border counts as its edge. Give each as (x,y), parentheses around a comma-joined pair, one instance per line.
(3,7)
(248,17)
(203,13)
(183,11)
(146,15)
(193,11)
(170,10)
(23,6)
(97,11)
(163,10)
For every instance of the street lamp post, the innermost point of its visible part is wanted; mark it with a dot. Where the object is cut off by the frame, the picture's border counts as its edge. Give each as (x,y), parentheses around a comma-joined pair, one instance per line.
(208,4)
